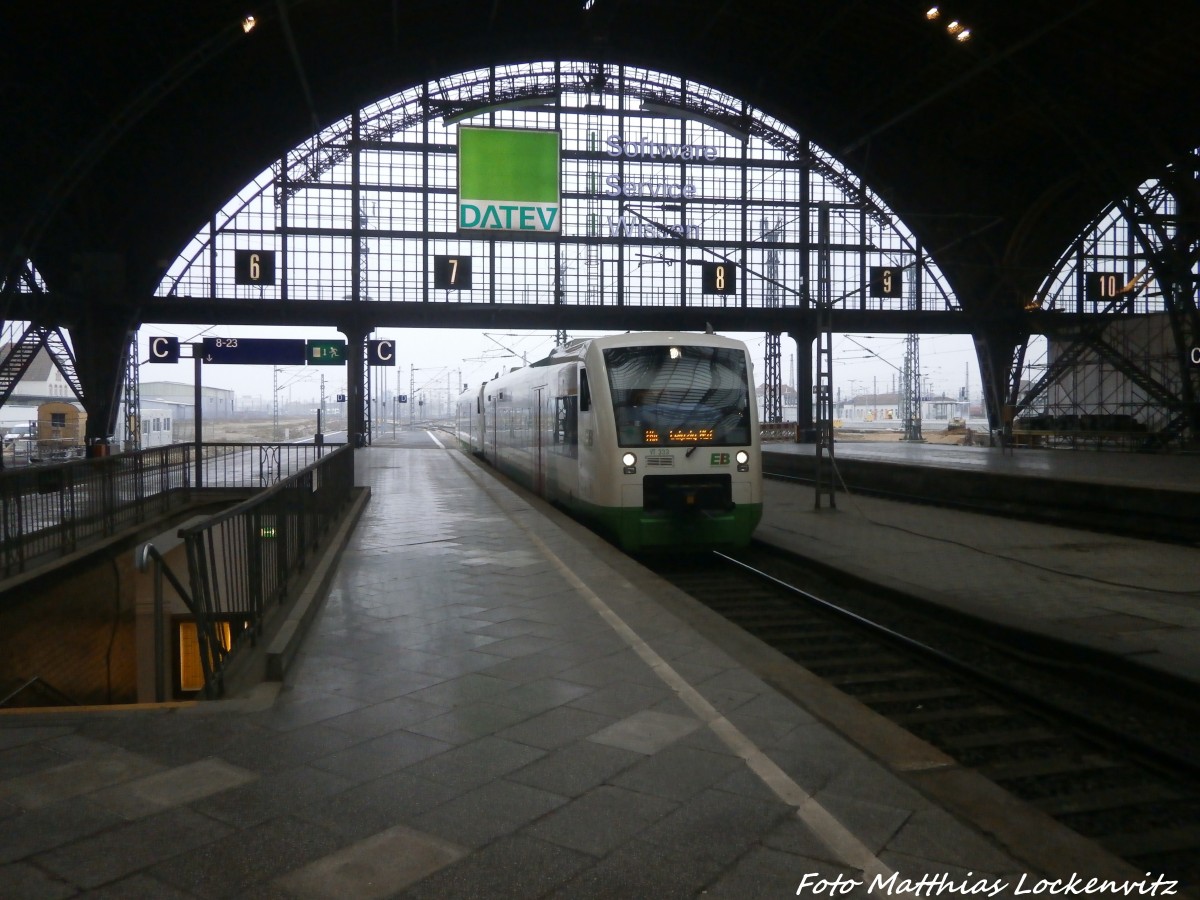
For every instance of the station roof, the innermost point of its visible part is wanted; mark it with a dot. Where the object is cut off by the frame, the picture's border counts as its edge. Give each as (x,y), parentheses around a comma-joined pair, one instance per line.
(127,124)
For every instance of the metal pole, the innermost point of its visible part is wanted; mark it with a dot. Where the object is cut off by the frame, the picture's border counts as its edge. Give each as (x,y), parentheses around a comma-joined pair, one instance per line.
(197,413)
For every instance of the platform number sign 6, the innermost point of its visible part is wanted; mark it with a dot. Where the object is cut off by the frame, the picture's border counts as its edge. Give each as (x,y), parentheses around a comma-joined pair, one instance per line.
(254,267)
(887,281)
(718,278)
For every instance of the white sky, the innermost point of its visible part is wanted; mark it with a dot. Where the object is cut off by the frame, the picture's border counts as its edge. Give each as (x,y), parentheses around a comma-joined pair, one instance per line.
(863,364)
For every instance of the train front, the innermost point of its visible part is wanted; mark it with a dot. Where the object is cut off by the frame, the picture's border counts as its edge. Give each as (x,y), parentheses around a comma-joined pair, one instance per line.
(686,453)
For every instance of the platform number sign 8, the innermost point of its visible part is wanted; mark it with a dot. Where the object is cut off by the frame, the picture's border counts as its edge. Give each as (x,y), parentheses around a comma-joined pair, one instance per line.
(254,266)
(1104,286)
(718,278)
(452,273)
(887,281)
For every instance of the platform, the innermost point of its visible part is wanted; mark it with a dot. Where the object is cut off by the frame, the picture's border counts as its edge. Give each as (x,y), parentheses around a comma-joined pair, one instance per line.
(493,702)
(1129,601)
(1161,492)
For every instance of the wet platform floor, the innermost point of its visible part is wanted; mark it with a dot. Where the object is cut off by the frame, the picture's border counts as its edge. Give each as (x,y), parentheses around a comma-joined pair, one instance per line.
(494,702)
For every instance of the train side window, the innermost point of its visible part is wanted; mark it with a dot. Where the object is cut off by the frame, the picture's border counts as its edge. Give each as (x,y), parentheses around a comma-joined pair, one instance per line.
(566,425)
(585,393)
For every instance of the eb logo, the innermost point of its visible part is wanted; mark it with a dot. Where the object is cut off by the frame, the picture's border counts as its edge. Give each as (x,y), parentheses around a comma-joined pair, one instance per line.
(718,459)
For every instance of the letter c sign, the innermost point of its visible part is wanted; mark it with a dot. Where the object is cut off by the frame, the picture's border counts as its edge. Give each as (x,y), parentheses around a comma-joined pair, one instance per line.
(1194,357)
(381,353)
(164,350)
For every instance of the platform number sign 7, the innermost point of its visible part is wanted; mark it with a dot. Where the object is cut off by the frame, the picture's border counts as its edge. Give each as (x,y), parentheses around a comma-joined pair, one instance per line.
(718,278)
(452,273)
(887,281)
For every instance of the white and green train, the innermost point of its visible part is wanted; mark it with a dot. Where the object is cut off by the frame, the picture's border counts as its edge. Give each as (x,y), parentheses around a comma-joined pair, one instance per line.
(651,438)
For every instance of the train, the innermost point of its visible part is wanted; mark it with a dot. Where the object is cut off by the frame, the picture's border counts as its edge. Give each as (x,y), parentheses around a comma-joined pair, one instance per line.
(651,438)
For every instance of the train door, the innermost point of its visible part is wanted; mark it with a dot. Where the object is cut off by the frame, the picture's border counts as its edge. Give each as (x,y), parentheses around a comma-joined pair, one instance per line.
(539,445)
(491,427)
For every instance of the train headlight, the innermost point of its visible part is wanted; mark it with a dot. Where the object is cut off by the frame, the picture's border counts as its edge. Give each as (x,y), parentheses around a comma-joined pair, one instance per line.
(629,461)
(743,461)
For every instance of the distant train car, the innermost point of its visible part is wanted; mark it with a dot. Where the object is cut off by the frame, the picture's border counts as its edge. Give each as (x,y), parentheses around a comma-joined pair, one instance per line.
(154,426)
(652,438)
(61,427)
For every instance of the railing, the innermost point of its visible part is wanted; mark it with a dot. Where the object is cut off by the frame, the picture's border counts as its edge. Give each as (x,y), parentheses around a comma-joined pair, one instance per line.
(51,511)
(241,562)
(777,431)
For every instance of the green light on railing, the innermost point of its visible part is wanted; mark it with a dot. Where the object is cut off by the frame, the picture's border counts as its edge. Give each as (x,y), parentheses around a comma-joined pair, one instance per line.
(266,531)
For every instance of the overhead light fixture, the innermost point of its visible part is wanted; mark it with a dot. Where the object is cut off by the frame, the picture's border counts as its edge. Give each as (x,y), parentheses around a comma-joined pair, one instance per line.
(932,13)
(954,27)
(248,24)
(964,35)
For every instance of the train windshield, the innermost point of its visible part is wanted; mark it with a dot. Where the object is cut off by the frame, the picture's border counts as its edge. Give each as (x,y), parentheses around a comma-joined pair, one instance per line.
(673,395)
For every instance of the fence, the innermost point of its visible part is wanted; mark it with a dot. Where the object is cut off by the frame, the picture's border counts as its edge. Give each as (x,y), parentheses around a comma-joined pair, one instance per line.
(53,510)
(241,562)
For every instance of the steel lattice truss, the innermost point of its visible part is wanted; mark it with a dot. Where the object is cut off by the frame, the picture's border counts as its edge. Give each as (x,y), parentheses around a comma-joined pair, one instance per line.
(1123,361)
(360,211)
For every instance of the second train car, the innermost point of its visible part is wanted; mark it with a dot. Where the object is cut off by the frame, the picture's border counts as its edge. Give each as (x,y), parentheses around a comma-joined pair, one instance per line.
(652,438)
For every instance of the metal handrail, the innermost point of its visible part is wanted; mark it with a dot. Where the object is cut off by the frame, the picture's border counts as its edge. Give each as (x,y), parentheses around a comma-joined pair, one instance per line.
(47,512)
(145,556)
(241,561)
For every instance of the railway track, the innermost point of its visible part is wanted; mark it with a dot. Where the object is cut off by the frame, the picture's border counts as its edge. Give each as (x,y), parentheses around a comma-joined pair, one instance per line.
(1119,763)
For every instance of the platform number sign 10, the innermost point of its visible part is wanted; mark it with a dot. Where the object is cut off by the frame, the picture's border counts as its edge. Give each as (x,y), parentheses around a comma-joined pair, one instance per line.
(718,278)
(254,266)
(887,281)
(1104,286)
(452,273)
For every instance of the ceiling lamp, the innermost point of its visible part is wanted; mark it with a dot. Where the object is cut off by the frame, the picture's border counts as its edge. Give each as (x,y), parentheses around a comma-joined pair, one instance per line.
(964,35)
(954,27)
(248,24)
(932,13)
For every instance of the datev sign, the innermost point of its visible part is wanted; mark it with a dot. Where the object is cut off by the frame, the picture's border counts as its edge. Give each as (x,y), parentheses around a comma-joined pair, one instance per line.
(508,180)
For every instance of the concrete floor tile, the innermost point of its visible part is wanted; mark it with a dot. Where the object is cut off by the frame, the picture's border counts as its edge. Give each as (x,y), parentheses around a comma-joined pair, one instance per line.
(23,881)
(638,869)
(375,867)
(678,772)
(380,756)
(489,812)
(601,820)
(542,694)
(469,688)
(556,727)
(273,795)
(173,787)
(469,722)
(717,825)
(52,826)
(646,732)
(478,762)
(576,768)
(118,852)
(80,776)
(511,867)
(383,717)
(236,864)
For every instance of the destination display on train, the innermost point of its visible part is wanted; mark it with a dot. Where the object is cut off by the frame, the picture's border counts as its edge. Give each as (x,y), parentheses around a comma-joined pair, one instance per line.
(679,436)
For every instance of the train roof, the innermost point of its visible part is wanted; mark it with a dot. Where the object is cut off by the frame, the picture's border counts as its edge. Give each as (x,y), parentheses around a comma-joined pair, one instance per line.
(578,349)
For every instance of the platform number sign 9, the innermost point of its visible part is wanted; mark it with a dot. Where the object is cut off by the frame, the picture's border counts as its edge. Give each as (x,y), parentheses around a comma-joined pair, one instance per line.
(254,266)
(452,273)
(887,281)
(1104,286)
(718,278)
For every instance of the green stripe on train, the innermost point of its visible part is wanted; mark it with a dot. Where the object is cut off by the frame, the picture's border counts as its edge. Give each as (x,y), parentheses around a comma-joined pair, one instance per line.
(634,529)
